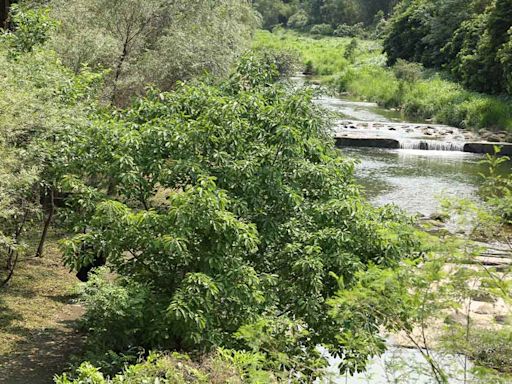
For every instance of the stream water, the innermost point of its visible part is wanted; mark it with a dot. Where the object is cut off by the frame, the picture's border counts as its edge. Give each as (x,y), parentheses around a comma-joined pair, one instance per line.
(414,180)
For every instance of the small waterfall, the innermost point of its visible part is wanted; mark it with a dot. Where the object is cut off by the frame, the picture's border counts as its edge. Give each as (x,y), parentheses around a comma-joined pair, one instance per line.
(432,145)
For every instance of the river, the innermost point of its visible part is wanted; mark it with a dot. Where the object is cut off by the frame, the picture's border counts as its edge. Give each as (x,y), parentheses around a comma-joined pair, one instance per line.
(415,180)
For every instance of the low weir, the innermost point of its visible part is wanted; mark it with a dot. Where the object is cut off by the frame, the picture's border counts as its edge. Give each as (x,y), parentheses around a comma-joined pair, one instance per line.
(430,145)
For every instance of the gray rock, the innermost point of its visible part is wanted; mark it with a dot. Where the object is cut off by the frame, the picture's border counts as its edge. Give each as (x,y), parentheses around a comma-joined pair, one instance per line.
(484,309)
(483,296)
(494,138)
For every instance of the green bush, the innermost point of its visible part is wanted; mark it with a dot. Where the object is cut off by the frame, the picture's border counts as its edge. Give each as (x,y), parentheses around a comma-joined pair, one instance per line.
(118,313)
(299,20)
(497,186)
(230,207)
(322,29)
(223,367)
(286,62)
(346,30)
(31,27)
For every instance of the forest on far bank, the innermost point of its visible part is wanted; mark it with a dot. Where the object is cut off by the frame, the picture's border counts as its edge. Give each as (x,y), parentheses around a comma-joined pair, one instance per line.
(470,40)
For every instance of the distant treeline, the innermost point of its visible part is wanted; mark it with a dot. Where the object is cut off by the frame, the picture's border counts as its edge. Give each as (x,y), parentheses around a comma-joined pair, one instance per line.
(300,14)
(472,39)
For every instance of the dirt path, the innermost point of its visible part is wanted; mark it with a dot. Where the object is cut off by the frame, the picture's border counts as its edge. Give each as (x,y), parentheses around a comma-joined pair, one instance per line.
(45,352)
(38,315)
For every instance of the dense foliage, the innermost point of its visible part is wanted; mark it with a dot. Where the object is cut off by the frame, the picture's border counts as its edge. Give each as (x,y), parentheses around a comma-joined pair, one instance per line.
(227,219)
(115,49)
(306,14)
(151,42)
(470,39)
(231,229)
(223,367)
(39,100)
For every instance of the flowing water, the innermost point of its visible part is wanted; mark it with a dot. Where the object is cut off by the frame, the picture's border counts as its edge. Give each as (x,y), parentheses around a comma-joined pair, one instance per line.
(414,178)
(418,174)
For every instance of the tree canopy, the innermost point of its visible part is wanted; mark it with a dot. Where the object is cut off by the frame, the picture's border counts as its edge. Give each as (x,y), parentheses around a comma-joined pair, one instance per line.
(154,42)
(469,39)
(332,12)
(229,221)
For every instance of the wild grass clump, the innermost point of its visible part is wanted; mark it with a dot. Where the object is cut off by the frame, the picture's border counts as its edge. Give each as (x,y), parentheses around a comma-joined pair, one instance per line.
(372,83)
(449,103)
(326,55)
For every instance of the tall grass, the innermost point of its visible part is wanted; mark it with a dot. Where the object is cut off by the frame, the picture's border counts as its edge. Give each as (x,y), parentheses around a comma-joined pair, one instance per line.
(325,54)
(367,77)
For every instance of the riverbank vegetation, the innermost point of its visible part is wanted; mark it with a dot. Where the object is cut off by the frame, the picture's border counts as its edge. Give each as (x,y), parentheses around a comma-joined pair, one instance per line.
(358,67)
(223,214)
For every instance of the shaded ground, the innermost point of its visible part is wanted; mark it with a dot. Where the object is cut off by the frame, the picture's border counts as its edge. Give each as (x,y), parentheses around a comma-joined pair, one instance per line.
(37,320)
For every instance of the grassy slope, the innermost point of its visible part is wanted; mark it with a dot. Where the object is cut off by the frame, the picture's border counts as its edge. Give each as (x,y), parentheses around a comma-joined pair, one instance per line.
(366,76)
(36,319)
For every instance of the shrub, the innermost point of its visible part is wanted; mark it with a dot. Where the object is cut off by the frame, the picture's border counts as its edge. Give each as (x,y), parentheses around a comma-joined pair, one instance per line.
(286,62)
(117,313)
(223,367)
(322,29)
(350,50)
(346,30)
(406,71)
(32,27)
(299,20)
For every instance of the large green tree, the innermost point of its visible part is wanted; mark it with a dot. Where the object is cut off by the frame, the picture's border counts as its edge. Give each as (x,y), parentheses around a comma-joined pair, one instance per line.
(151,42)
(231,221)
(468,38)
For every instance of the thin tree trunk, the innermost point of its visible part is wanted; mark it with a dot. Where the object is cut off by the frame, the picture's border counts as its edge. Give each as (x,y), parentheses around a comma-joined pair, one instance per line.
(5,5)
(13,255)
(13,260)
(40,248)
(119,68)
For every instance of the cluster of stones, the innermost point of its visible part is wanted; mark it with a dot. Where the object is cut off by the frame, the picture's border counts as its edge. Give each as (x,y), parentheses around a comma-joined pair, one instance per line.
(427,130)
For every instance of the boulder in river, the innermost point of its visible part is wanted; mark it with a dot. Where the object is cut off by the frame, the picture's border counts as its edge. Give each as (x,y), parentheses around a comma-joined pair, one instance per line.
(440,217)
(501,319)
(495,138)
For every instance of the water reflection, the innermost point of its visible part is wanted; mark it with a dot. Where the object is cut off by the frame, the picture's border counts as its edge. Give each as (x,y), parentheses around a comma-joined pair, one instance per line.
(414,179)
